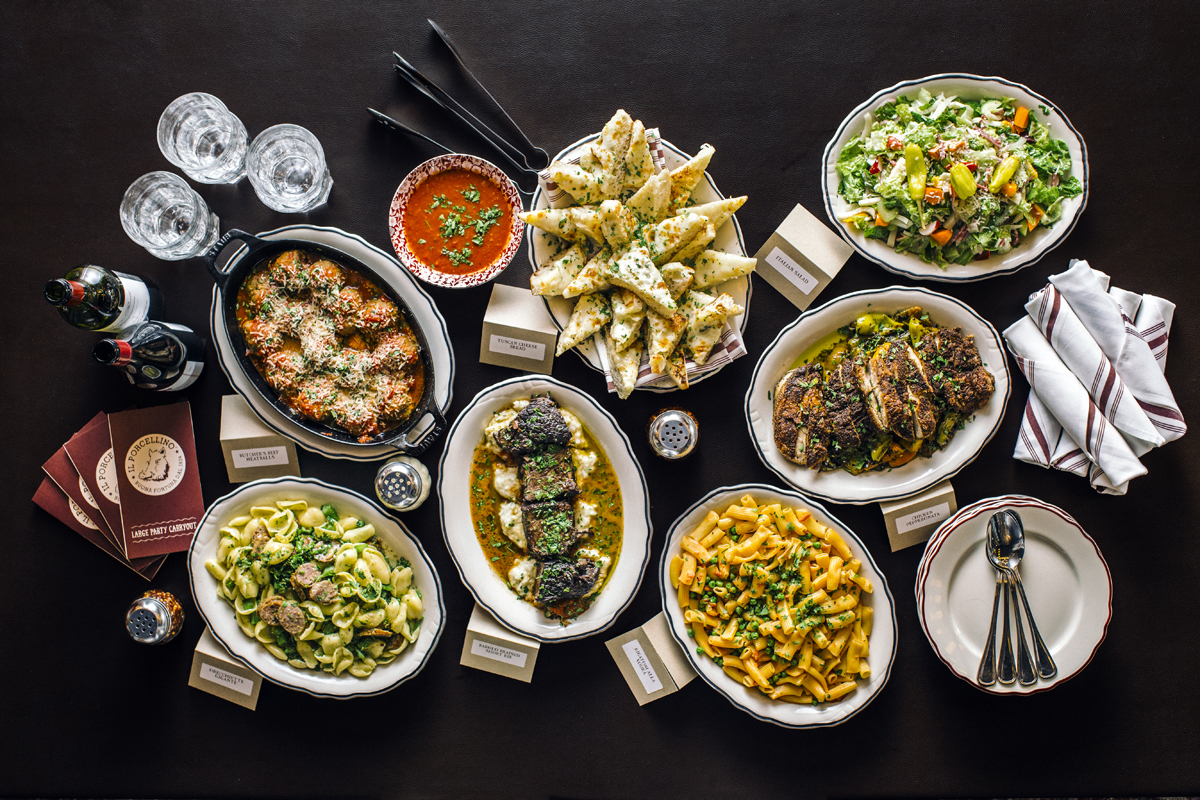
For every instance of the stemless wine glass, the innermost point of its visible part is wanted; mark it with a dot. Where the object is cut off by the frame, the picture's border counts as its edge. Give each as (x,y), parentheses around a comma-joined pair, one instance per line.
(166,216)
(287,169)
(198,134)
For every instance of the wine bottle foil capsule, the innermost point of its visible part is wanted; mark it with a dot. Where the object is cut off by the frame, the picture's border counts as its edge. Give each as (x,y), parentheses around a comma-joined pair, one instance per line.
(673,433)
(154,618)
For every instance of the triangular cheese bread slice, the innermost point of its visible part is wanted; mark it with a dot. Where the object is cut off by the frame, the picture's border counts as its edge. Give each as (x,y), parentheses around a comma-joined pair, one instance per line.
(628,313)
(593,277)
(662,336)
(639,164)
(587,221)
(667,237)
(650,203)
(686,177)
(552,220)
(576,181)
(678,278)
(706,322)
(553,277)
(592,312)
(617,223)
(693,248)
(713,267)
(605,157)
(677,369)
(624,365)
(634,270)
(719,211)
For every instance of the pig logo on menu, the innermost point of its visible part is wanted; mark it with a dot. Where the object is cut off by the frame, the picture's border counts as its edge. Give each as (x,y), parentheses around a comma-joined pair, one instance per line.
(155,464)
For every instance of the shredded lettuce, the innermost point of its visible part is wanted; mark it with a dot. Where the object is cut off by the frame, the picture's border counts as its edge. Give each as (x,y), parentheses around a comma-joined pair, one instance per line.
(949,130)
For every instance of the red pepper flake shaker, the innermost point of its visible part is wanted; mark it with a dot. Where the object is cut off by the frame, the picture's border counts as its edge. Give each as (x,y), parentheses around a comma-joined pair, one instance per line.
(154,618)
(673,433)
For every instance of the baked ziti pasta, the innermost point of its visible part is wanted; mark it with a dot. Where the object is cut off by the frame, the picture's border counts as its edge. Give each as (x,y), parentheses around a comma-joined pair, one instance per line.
(772,596)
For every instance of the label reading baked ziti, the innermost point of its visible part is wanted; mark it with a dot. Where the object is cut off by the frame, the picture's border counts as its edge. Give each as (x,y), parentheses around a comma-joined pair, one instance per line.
(641,665)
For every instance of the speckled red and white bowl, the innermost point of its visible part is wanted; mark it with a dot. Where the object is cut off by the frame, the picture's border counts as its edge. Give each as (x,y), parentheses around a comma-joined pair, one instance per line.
(400,203)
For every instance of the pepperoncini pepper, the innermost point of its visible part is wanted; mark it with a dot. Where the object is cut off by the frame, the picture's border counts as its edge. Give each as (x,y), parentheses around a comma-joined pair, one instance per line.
(962,181)
(914,165)
(1004,173)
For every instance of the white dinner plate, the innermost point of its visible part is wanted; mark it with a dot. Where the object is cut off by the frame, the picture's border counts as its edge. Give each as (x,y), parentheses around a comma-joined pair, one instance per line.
(405,285)
(920,473)
(1066,580)
(729,240)
(220,617)
(972,87)
(454,490)
(752,701)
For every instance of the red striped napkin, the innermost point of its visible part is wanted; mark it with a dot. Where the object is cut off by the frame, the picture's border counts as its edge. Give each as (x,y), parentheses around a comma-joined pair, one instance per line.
(1094,358)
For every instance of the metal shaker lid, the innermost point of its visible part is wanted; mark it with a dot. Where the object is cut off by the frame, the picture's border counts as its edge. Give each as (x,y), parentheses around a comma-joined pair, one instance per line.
(151,620)
(402,484)
(673,433)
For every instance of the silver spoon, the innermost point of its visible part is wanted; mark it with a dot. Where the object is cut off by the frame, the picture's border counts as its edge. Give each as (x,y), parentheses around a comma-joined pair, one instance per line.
(987,664)
(1013,548)
(1007,672)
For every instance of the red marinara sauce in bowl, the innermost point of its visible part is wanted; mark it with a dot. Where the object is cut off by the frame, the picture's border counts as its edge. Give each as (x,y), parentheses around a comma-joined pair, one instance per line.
(454,221)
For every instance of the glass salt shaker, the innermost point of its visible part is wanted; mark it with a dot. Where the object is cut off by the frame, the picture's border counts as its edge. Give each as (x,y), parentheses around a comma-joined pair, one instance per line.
(154,618)
(402,484)
(673,433)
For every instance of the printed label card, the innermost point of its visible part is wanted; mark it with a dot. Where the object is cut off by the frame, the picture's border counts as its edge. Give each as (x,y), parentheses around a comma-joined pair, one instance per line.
(158,479)
(518,331)
(650,660)
(801,257)
(913,520)
(252,450)
(491,647)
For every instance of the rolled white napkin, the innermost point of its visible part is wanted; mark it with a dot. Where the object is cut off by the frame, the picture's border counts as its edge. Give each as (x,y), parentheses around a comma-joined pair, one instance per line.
(1136,349)
(1065,398)
(1083,356)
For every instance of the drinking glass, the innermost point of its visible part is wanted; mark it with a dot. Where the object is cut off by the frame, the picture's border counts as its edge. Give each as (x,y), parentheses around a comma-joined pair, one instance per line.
(198,134)
(166,216)
(287,169)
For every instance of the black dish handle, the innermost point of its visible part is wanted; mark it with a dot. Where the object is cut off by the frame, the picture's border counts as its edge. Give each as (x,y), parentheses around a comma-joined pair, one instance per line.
(210,258)
(422,444)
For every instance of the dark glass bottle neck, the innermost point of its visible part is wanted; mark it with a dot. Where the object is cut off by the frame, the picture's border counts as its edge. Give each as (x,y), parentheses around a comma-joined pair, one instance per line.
(64,293)
(113,352)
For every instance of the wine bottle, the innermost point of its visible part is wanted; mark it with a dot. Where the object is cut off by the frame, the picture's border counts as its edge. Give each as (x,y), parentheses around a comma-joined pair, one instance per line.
(97,299)
(159,356)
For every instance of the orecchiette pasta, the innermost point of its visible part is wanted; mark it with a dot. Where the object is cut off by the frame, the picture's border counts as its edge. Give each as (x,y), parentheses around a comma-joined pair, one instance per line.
(317,589)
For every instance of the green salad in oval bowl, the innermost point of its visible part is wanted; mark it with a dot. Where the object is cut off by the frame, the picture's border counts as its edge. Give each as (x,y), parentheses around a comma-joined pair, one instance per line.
(964,179)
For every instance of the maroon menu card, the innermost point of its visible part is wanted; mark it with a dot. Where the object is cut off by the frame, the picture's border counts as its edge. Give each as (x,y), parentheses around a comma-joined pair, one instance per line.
(91,453)
(158,479)
(62,472)
(56,503)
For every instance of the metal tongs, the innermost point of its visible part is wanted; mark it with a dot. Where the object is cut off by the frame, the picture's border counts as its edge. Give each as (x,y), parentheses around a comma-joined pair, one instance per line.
(442,98)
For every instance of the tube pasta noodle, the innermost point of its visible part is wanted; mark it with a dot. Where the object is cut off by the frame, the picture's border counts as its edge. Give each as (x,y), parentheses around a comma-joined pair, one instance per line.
(774,598)
(316,589)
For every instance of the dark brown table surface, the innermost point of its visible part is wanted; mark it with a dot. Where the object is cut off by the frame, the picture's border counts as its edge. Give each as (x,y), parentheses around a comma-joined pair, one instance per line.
(86,712)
